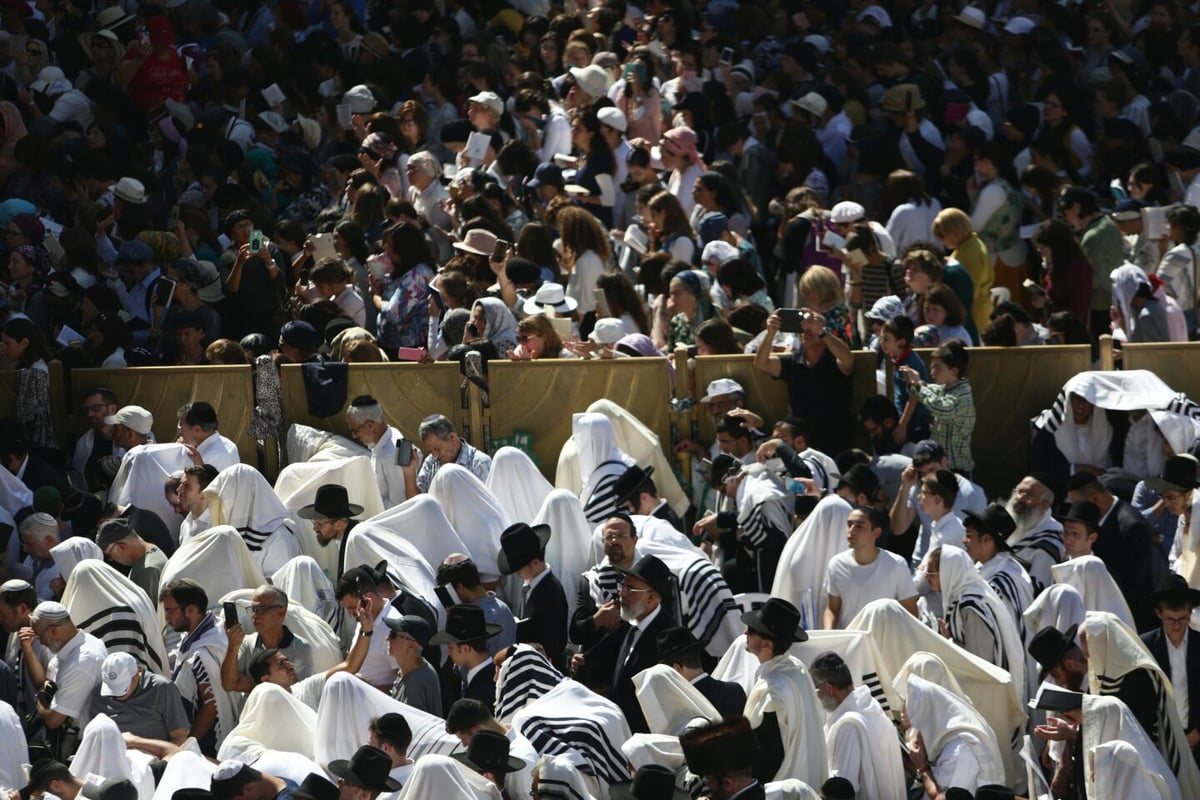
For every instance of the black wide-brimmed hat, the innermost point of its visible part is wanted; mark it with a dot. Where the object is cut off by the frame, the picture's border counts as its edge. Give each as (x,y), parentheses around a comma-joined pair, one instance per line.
(520,544)
(465,623)
(368,768)
(653,572)
(488,752)
(1174,589)
(776,619)
(996,522)
(315,787)
(629,482)
(332,502)
(1048,647)
(651,782)
(1084,512)
(1178,475)
(674,642)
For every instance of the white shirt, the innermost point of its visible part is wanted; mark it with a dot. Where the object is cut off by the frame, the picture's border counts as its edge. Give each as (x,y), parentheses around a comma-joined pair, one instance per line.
(1179,682)
(193,526)
(76,670)
(520,783)
(947,530)
(957,766)
(970,498)
(219,451)
(639,626)
(680,184)
(378,668)
(388,474)
(885,578)
(582,280)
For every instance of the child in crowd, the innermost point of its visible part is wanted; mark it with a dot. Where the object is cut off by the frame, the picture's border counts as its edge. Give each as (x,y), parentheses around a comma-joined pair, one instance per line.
(895,341)
(949,400)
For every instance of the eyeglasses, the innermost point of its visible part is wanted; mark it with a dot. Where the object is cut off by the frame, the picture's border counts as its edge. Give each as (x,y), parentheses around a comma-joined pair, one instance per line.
(256,610)
(625,588)
(616,537)
(404,637)
(1184,620)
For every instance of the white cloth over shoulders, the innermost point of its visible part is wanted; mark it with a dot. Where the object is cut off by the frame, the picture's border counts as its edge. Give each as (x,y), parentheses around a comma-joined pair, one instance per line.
(307,585)
(1091,578)
(1107,719)
(139,481)
(272,719)
(601,464)
(670,702)
(185,770)
(69,552)
(568,552)
(1120,769)
(218,560)
(941,717)
(14,751)
(1060,606)
(931,668)
(475,514)
(863,748)
(14,495)
(305,443)
(102,752)
(785,689)
(557,774)
(800,578)
(517,484)
(445,777)
(117,611)
(422,521)
(240,496)
(369,543)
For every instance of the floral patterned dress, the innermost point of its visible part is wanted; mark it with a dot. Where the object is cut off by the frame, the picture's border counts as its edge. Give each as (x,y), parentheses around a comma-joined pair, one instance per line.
(404,319)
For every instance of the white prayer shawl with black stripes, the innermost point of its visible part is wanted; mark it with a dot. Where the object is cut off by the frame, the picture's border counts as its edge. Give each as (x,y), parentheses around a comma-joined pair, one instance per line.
(559,777)
(116,611)
(197,675)
(764,508)
(1116,390)
(240,496)
(784,688)
(306,585)
(1012,583)
(524,676)
(573,721)
(1115,651)
(601,464)
(1107,720)
(1040,547)
(800,578)
(1091,578)
(706,604)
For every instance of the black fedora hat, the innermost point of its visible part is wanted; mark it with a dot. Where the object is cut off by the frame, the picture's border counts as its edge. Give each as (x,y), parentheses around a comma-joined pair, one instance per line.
(332,502)
(520,544)
(674,642)
(777,619)
(651,782)
(1085,512)
(629,482)
(315,787)
(994,521)
(465,623)
(719,747)
(1178,475)
(1048,647)
(367,768)
(1174,589)
(653,572)
(994,791)
(488,752)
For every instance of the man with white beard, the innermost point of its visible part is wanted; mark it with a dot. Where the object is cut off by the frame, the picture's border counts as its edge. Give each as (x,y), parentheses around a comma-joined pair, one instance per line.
(1037,540)
(74,668)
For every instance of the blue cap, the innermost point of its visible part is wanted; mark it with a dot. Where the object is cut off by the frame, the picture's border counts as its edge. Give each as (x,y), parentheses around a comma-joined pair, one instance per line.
(711,226)
(300,335)
(547,174)
(134,251)
(1128,209)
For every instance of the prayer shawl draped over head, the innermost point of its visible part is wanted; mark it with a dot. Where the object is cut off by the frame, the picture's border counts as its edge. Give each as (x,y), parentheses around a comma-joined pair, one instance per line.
(635,439)
(218,560)
(1144,441)
(1091,578)
(671,703)
(70,552)
(964,591)
(369,544)
(116,611)
(1114,651)
(1126,280)
(14,495)
(568,551)
(313,444)
(517,484)
(525,676)
(139,481)
(297,486)
(932,669)
(102,751)
(197,672)
(706,604)
(445,777)
(1119,768)
(1107,720)
(422,521)
(14,751)
(306,585)
(601,464)
(573,721)
(898,634)
(784,688)
(500,326)
(476,515)
(1059,607)
(764,507)
(324,645)
(272,719)
(186,769)
(863,747)
(941,717)
(800,578)
(240,496)
(347,707)
(559,778)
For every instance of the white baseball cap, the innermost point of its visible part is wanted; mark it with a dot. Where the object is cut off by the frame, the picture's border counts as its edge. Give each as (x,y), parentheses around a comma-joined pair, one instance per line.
(722,386)
(489,100)
(607,331)
(135,418)
(613,118)
(1019,26)
(116,673)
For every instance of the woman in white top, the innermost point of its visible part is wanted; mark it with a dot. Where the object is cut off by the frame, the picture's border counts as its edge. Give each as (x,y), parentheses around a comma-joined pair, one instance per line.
(912,218)
(1180,265)
(670,230)
(332,279)
(677,151)
(586,254)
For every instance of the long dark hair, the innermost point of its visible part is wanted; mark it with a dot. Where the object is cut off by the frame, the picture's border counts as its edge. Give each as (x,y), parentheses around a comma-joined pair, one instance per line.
(356,240)
(622,298)
(1059,239)
(407,245)
(20,329)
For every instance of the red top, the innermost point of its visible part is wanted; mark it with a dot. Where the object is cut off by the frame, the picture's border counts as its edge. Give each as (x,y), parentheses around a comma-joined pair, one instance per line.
(158,79)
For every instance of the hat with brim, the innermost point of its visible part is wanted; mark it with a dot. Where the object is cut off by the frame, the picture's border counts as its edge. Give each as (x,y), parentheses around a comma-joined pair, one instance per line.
(1048,647)
(314,787)
(85,41)
(331,502)
(1178,475)
(465,623)
(488,752)
(520,544)
(550,295)
(675,642)
(994,521)
(1174,591)
(629,482)
(650,782)
(1084,512)
(478,242)
(651,571)
(131,190)
(776,619)
(368,768)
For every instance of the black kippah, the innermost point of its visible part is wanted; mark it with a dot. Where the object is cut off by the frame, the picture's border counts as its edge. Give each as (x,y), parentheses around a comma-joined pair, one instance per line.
(364,400)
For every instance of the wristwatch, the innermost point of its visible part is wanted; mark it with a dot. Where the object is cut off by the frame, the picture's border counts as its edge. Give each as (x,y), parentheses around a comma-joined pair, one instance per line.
(367,633)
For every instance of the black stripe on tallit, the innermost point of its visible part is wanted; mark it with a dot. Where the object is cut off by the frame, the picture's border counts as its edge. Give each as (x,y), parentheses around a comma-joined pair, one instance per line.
(254,539)
(110,632)
(871,680)
(602,757)
(975,603)
(1006,587)
(526,678)
(602,500)
(701,583)
(1164,735)
(554,787)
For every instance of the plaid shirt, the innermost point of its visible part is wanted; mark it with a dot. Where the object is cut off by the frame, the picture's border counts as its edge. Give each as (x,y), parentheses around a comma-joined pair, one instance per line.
(953,410)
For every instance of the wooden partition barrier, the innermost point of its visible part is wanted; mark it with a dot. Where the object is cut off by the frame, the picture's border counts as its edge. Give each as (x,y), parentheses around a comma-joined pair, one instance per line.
(1177,363)
(408,393)
(162,390)
(538,398)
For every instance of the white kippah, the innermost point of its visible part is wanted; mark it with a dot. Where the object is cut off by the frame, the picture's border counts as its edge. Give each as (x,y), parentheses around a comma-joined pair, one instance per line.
(227,769)
(49,609)
(15,585)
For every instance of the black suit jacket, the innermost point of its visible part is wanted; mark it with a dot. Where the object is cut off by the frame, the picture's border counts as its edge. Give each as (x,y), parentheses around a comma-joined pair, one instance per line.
(1124,546)
(1156,643)
(39,473)
(612,677)
(668,515)
(483,686)
(728,697)
(545,618)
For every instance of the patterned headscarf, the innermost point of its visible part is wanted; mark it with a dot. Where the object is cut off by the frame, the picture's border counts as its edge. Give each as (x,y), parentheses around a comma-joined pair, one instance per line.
(164,244)
(39,259)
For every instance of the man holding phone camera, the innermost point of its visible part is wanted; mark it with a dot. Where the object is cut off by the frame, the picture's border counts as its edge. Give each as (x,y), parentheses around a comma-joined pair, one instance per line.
(394,458)
(268,610)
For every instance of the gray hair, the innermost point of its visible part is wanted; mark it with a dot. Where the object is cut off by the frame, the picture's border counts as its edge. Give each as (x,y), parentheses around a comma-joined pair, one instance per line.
(359,414)
(829,667)
(278,596)
(427,163)
(437,425)
(39,525)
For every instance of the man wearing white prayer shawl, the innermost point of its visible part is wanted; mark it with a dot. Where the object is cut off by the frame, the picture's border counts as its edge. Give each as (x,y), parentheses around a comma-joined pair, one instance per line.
(14,751)
(782,705)
(397,482)
(1119,664)
(1106,720)
(557,778)
(1092,580)
(407,569)
(601,464)
(271,719)
(303,580)
(139,481)
(800,578)
(518,484)
(102,751)
(196,665)
(1059,607)
(1038,538)
(475,514)
(116,610)
(569,549)
(468,718)
(950,743)
(671,703)
(859,737)
(198,432)
(240,496)
(986,542)
(1119,768)
(442,776)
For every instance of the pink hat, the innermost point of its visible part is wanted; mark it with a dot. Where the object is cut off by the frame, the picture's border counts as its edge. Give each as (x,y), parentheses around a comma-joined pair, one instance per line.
(684,141)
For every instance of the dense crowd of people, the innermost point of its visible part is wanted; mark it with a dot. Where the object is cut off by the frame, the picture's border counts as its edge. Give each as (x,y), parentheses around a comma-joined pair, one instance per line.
(187,182)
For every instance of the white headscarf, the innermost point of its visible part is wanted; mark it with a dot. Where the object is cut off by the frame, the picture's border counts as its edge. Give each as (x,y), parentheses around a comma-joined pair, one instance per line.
(800,577)
(1060,606)
(601,463)
(442,776)
(518,484)
(476,515)
(272,719)
(500,326)
(1118,766)
(71,551)
(115,610)
(102,751)
(1107,719)
(421,520)
(1091,578)
(346,709)
(1126,279)
(671,703)
(568,550)
(139,481)
(307,585)
(942,717)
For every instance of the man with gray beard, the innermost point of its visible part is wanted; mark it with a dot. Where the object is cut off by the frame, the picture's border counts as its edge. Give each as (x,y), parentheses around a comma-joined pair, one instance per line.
(597,609)
(1037,540)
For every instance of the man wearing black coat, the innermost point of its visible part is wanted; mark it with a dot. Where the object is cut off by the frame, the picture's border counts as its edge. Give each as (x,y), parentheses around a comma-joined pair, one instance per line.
(637,494)
(678,649)
(723,754)
(542,609)
(465,637)
(1177,651)
(609,666)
